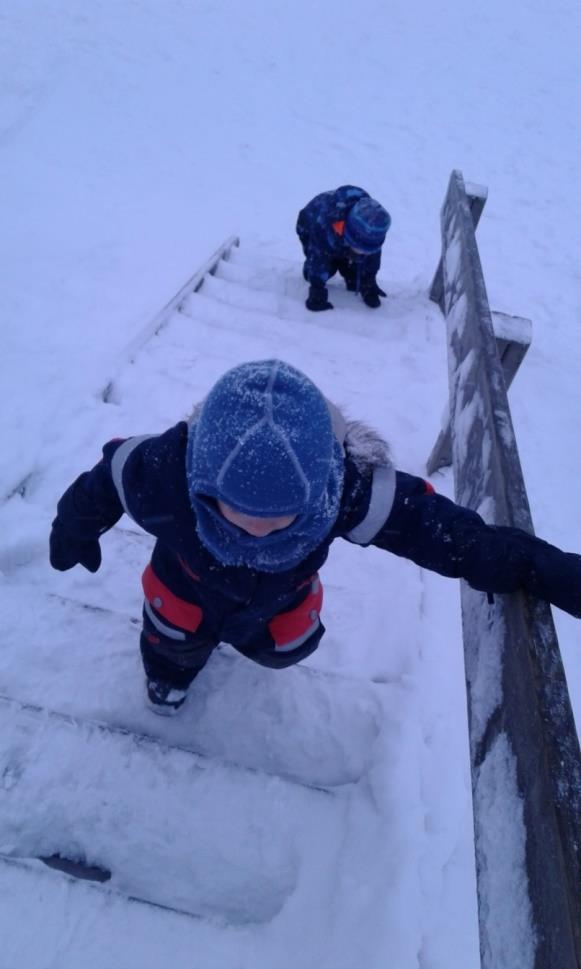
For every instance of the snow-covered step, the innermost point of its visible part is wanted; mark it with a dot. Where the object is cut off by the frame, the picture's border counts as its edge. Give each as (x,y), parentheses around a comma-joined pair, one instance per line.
(51,921)
(255,258)
(160,319)
(399,338)
(162,379)
(313,728)
(292,322)
(171,828)
(280,295)
(284,280)
(325,337)
(259,300)
(265,277)
(77,875)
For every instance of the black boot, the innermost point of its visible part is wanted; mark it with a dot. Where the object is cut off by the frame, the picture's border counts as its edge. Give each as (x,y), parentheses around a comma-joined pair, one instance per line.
(163,698)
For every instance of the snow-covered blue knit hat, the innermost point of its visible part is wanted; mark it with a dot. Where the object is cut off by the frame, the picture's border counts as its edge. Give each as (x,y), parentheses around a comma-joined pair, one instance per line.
(366,225)
(264,444)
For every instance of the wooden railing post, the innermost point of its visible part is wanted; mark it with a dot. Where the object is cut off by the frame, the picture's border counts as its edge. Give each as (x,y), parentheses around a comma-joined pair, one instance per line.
(525,760)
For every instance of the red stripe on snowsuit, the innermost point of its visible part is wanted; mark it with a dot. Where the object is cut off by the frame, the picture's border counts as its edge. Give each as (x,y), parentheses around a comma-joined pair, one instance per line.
(291,629)
(185,615)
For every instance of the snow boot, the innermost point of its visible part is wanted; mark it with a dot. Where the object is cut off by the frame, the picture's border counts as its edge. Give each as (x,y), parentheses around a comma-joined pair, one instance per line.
(164,699)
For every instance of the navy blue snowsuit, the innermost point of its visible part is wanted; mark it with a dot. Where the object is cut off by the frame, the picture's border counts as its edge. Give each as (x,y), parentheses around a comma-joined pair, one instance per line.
(192,601)
(320,227)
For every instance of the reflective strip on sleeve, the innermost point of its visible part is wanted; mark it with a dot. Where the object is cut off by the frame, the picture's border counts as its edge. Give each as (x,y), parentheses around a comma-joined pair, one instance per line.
(338,422)
(118,463)
(380,505)
(291,629)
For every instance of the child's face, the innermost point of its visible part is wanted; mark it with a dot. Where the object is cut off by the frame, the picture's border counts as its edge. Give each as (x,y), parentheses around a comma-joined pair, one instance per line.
(258,527)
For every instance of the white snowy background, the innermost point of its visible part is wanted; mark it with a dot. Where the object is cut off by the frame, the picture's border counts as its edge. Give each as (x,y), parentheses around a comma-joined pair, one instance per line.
(134,138)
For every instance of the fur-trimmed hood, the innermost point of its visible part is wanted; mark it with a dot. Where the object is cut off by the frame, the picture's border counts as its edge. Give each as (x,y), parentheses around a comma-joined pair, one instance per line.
(365,446)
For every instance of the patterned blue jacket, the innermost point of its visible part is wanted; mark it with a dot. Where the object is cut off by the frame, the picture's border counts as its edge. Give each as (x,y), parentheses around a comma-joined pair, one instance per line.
(320,228)
(146,478)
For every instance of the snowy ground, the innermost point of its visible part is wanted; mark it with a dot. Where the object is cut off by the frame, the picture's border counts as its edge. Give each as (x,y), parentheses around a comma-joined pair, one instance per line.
(134,138)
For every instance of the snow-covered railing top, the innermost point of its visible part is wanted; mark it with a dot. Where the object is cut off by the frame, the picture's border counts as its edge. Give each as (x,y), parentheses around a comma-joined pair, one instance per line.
(525,761)
(513,335)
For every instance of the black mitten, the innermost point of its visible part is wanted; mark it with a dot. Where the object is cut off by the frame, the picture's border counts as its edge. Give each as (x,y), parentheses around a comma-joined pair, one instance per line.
(318,299)
(370,295)
(371,299)
(67,551)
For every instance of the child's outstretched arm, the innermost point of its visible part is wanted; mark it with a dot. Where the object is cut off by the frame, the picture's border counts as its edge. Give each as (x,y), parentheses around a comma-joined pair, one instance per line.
(439,535)
(142,476)
(88,508)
